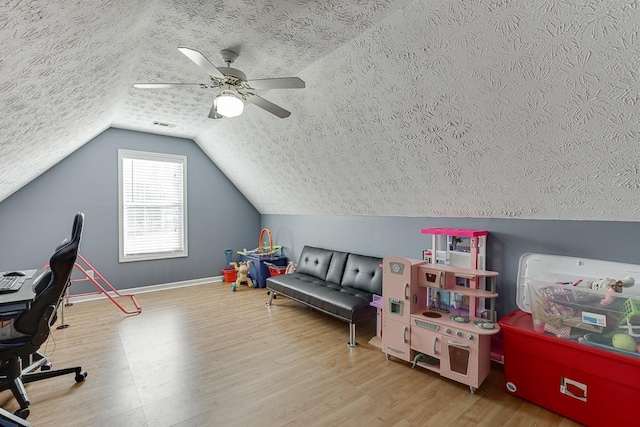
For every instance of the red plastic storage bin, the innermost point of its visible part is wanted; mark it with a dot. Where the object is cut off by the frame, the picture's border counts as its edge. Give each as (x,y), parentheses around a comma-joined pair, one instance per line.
(229,274)
(591,386)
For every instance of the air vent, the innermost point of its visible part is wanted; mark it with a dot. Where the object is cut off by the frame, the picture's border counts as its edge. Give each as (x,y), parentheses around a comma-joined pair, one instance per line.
(166,125)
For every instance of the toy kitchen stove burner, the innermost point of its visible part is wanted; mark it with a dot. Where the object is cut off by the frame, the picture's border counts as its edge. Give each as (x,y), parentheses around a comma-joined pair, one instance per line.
(459,318)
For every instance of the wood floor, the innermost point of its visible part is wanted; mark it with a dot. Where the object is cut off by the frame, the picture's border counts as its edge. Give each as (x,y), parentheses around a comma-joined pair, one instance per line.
(206,356)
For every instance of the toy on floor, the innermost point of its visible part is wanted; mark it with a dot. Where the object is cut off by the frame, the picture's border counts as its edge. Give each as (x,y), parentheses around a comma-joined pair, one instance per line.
(607,285)
(421,357)
(243,270)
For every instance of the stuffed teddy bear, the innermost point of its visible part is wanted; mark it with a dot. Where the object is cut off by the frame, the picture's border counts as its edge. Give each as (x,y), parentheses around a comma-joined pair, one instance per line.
(243,270)
(609,286)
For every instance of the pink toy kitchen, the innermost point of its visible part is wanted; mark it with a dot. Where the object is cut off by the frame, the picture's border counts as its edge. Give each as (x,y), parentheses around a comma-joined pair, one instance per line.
(439,316)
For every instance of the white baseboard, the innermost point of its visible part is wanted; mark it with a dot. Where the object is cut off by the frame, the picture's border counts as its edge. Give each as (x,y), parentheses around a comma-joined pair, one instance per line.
(150,288)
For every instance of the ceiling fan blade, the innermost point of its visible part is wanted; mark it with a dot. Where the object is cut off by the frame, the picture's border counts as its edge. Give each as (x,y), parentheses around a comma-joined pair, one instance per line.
(213,114)
(163,85)
(281,83)
(201,61)
(268,106)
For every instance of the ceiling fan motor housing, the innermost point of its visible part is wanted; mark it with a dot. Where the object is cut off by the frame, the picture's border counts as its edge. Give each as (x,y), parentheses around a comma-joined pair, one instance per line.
(234,72)
(228,55)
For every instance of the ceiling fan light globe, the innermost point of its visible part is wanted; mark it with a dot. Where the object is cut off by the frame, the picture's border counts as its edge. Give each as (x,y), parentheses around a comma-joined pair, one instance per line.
(229,105)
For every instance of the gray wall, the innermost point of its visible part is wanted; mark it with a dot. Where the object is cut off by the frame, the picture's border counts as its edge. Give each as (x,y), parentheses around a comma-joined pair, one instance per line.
(508,240)
(34,220)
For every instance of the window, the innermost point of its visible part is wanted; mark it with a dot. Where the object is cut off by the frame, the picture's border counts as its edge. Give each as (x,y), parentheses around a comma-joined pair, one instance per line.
(152,193)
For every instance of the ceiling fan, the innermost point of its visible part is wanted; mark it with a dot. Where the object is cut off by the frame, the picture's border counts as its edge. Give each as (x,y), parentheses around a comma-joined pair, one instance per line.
(233,85)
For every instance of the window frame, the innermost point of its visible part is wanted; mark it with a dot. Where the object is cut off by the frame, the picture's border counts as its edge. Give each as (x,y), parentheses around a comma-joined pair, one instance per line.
(151,156)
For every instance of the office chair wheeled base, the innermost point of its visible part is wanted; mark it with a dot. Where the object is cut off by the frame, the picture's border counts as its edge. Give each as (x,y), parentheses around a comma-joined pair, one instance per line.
(17,378)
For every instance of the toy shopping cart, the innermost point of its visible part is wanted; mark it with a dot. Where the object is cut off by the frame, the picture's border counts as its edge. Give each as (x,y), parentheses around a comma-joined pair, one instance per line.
(275,270)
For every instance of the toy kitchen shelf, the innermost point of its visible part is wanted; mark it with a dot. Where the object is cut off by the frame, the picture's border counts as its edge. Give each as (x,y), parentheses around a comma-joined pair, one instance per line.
(464,248)
(452,279)
(424,323)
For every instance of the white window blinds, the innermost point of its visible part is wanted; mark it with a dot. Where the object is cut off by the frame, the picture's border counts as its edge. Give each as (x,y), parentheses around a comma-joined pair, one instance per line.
(152,205)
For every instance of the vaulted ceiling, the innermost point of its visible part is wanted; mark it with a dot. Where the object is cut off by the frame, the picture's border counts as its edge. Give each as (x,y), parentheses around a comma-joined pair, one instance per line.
(457,108)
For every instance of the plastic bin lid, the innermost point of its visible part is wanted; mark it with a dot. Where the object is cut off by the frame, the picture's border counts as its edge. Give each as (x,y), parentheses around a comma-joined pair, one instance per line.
(555,269)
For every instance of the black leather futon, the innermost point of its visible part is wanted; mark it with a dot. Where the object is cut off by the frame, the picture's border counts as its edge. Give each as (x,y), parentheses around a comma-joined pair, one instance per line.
(337,283)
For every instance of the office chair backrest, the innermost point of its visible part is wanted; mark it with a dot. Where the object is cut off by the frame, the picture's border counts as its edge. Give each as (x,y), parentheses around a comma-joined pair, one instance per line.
(51,287)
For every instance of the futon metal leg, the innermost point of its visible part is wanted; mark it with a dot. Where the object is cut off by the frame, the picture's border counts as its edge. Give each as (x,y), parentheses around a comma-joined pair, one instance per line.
(352,335)
(271,295)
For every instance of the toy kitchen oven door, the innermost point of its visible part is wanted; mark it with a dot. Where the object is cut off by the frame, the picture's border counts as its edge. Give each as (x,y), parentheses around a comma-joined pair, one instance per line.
(459,360)
(456,348)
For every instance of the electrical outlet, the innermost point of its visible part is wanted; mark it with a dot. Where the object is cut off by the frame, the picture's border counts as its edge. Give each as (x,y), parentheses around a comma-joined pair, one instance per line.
(90,273)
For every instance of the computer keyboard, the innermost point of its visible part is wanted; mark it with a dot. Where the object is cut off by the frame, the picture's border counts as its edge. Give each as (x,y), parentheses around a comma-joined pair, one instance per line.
(11,283)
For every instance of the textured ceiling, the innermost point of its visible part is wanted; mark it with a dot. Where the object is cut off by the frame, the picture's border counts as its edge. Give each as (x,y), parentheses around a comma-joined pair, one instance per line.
(471,108)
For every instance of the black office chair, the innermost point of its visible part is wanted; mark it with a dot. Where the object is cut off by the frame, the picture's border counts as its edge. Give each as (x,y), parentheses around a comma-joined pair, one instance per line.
(35,323)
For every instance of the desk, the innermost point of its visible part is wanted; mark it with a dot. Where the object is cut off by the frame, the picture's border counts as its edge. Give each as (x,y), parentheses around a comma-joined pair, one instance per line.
(20,299)
(13,303)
